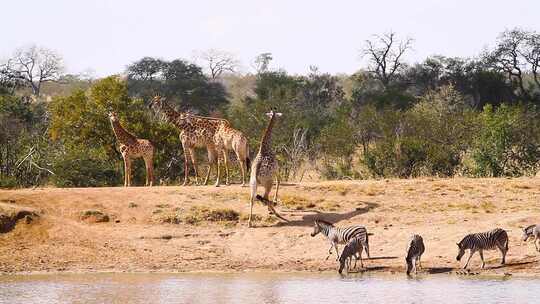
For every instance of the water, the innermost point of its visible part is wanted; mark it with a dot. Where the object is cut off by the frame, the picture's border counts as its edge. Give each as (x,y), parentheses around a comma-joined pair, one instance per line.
(262,288)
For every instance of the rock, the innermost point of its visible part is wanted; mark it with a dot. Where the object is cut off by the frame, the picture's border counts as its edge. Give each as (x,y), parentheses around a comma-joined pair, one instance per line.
(132,205)
(94,216)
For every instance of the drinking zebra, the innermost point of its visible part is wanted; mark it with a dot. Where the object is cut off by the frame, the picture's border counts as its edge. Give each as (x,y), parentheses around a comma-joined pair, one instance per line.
(496,238)
(534,232)
(355,245)
(414,253)
(340,235)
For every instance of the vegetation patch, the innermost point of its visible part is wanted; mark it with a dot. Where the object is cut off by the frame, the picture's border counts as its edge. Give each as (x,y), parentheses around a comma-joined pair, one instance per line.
(94,216)
(196,215)
(296,202)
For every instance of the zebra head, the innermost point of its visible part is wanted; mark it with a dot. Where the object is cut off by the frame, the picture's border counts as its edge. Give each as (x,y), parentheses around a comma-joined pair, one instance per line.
(408,262)
(527,232)
(342,262)
(461,251)
(316,228)
(321,226)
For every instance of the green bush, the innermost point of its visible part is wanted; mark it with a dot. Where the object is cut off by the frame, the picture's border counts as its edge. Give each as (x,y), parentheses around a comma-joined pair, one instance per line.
(507,143)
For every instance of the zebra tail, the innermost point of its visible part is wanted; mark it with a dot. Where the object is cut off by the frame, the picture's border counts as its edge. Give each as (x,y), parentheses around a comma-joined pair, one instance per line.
(369,233)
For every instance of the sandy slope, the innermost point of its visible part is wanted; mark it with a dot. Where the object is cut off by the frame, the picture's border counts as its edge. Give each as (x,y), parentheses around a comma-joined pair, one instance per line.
(442,210)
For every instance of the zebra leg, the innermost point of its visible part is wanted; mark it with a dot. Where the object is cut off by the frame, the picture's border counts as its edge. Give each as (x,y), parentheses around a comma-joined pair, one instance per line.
(481,252)
(330,251)
(504,249)
(337,251)
(367,246)
(360,255)
(536,241)
(469,259)
(420,262)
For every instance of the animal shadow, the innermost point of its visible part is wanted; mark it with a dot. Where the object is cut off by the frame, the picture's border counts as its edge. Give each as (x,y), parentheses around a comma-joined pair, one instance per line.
(333,217)
(437,270)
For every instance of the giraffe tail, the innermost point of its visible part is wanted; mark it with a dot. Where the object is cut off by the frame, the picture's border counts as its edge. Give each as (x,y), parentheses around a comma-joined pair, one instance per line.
(248,161)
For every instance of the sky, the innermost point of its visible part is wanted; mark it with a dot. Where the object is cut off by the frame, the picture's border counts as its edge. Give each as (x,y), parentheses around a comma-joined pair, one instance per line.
(106,36)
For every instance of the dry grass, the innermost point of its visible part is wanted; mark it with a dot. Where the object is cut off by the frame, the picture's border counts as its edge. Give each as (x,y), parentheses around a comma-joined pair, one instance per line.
(295,202)
(372,190)
(198,214)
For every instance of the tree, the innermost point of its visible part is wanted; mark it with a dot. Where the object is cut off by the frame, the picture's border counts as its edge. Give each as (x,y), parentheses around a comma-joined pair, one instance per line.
(183,83)
(385,55)
(507,57)
(218,62)
(261,62)
(33,66)
(531,53)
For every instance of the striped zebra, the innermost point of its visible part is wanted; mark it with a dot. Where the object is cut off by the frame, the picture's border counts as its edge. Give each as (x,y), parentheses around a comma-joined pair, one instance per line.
(353,246)
(496,238)
(533,231)
(340,235)
(414,252)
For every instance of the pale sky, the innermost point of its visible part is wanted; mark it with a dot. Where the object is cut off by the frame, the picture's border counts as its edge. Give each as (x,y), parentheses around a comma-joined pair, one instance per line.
(105,36)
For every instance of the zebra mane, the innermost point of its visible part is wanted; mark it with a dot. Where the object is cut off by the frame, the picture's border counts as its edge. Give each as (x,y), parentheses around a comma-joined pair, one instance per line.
(324,222)
(529,229)
(465,239)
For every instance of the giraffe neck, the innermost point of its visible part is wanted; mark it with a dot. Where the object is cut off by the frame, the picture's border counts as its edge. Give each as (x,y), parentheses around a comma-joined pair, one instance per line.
(266,141)
(173,116)
(123,136)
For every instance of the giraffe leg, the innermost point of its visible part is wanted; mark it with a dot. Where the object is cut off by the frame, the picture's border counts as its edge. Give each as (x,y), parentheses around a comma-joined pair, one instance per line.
(218,171)
(149,164)
(278,181)
(243,169)
(212,160)
(253,186)
(194,164)
(186,165)
(226,163)
(125,172)
(128,171)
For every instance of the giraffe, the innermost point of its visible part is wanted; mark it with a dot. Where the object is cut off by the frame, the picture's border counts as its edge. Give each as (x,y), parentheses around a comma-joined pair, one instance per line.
(195,132)
(131,148)
(263,169)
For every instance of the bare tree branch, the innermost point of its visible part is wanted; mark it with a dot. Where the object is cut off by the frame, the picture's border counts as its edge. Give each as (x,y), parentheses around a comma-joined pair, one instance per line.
(218,62)
(385,55)
(33,66)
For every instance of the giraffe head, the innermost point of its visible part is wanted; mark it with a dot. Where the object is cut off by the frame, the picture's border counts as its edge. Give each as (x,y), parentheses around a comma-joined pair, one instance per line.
(157,102)
(113,116)
(273,113)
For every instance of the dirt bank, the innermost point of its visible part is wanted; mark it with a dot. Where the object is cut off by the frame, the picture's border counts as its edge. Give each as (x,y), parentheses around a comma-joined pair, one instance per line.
(204,228)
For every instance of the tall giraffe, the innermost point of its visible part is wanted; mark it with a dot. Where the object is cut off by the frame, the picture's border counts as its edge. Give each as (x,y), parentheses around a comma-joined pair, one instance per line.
(263,169)
(131,148)
(195,132)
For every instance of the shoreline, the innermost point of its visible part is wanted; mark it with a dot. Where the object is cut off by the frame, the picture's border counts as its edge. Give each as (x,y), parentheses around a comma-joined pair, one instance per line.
(381,274)
(167,229)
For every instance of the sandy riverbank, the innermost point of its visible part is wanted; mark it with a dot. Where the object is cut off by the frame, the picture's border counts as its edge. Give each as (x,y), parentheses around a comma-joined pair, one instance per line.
(167,229)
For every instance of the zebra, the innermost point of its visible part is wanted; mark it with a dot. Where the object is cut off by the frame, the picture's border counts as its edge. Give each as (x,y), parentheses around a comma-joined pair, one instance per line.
(534,232)
(414,252)
(496,238)
(340,235)
(353,246)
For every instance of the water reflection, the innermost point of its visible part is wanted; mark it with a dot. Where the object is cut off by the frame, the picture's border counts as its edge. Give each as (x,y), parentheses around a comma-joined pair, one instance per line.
(260,288)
